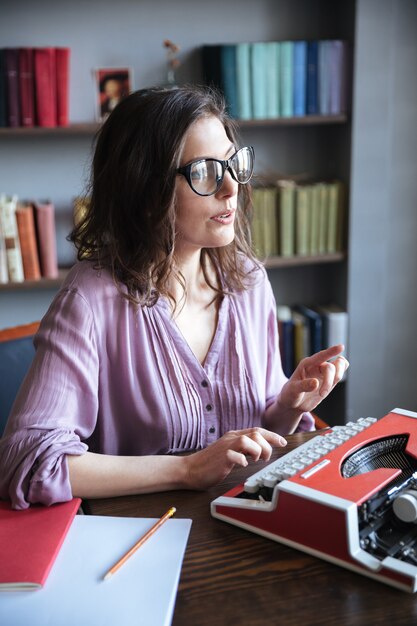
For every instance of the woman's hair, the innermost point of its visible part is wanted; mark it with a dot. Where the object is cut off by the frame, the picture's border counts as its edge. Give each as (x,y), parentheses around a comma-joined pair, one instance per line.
(129,223)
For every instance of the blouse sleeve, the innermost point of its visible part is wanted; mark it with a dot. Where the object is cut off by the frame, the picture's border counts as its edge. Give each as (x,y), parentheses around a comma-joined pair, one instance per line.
(56,407)
(276,378)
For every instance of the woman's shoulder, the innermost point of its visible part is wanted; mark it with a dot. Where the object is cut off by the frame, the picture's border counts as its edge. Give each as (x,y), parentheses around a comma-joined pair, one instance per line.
(88,280)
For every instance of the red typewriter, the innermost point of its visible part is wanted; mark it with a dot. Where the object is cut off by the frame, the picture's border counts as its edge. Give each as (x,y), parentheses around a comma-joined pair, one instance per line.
(358,482)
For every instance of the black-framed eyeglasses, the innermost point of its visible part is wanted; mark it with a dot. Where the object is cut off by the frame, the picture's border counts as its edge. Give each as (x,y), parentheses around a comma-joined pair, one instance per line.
(205,176)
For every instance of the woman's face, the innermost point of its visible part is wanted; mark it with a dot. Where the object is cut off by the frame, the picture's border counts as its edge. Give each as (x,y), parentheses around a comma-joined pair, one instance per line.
(205,221)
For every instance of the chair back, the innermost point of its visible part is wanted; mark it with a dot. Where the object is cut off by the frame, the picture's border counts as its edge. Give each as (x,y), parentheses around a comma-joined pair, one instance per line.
(16,355)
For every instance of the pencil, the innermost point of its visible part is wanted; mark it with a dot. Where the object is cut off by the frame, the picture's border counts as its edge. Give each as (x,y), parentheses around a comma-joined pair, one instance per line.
(139,543)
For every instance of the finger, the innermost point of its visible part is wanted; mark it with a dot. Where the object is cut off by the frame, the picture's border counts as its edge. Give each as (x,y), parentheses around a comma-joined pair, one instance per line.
(273,438)
(236,458)
(325,355)
(341,364)
(327,371)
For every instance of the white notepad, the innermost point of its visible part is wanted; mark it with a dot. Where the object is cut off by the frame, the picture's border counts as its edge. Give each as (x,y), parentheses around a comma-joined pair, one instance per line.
(142,592)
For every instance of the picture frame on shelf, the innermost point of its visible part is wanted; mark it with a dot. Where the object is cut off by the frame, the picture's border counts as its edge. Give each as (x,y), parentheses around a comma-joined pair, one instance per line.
(112,84)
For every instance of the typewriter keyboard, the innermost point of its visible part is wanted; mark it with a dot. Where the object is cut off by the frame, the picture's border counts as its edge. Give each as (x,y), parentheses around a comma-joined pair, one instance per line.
(296,460)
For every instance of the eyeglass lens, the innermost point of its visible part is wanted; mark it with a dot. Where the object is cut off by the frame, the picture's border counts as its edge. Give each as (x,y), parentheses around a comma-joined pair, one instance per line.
(206,176)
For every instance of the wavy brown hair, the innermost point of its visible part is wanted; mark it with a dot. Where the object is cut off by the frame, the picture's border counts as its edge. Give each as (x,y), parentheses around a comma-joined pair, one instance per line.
(129,224)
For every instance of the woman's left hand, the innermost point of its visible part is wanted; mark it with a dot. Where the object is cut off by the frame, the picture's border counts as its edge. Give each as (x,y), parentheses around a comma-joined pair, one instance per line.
(313,379)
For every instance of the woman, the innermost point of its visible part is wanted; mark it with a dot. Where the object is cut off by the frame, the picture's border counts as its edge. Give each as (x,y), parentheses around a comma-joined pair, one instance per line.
(163,338)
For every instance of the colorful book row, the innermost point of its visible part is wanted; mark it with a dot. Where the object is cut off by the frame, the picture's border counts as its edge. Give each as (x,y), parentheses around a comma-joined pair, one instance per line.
(34,87)
(293,219)
(305,330)
(27,240)
(266,80)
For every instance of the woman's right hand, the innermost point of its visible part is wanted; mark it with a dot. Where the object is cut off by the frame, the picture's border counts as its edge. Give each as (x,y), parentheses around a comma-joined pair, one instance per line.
(211,465)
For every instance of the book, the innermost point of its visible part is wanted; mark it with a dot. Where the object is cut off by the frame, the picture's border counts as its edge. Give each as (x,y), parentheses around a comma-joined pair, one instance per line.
(324,77)
(258,76)
(301,337)
(3,90)
(272,79)
(312,77)
(26,87)
(286,338)
(287,78)
(302,219)
(8,206)
(334,216)
(219,70)
(46,237)
(12,86)
(45,87)
(228,77)
(257,232)
(314,219)
(28,243)
(243,81)
(300,77)
(4,272)
(335,325)
(315,324)
(29,543)
(286,217)
(62,62)
(323,191)
(143,591)
(338,76)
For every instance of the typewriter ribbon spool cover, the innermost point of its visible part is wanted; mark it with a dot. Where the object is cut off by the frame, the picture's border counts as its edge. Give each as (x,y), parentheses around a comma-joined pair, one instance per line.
(359,481)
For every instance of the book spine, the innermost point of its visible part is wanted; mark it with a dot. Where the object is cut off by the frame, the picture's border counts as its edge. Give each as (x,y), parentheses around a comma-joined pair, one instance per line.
(258,80)
(45,87)
(286,219)
(287,78)
(228,72)
(314,219)
(26,87)
(312,72)
(28,244)
(4,272)
(338,77)
(324,77)
(243,81)
(272,79)
(300,77)
(12,86)
(46,235)
(62,56)
(11,238)
(302,220)
(3,90)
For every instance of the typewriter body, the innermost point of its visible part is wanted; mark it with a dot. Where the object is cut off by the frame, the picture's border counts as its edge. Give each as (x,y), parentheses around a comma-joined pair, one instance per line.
(348,495)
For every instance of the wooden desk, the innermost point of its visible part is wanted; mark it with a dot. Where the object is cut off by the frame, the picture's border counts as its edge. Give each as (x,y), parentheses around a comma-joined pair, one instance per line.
(234,577)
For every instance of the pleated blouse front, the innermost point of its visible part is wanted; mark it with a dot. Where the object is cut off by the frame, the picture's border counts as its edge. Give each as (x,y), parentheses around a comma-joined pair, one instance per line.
(119,380)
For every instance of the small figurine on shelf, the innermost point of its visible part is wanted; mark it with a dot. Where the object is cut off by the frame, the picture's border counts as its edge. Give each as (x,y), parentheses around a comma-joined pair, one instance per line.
(173,62)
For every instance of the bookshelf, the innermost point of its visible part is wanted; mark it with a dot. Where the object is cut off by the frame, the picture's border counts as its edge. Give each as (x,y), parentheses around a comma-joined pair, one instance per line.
(373,149)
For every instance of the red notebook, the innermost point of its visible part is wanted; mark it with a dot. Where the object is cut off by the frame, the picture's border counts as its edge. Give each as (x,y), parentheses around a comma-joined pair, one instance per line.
(30,541)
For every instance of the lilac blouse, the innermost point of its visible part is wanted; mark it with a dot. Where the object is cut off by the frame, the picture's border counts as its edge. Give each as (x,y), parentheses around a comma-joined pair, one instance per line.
(119,380)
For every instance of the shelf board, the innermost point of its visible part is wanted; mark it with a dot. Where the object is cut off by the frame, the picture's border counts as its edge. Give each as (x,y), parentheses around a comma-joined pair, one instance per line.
(43,283)
(87,128)
(307,120)
(299,261)
(271,263)
(90,128)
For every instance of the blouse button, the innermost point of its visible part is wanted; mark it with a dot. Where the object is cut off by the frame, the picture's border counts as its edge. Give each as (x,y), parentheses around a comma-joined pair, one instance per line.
(212,429)
(209,407)
(204,383)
